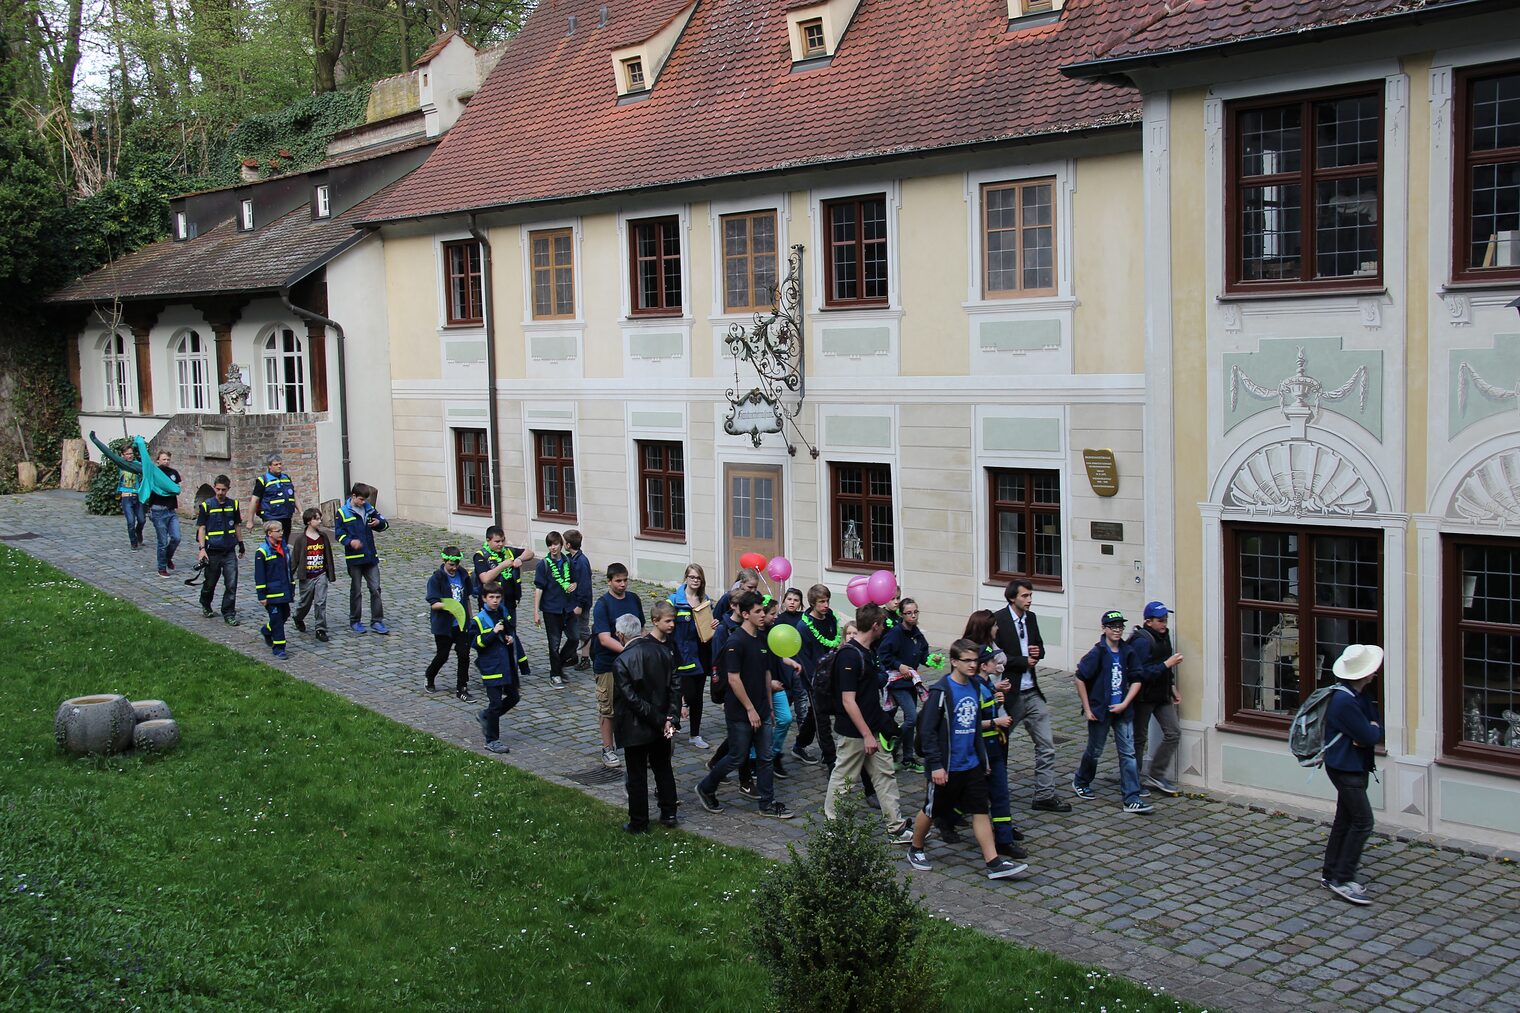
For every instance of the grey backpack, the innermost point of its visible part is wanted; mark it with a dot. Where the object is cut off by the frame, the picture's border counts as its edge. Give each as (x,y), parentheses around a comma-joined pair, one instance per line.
(1306,737)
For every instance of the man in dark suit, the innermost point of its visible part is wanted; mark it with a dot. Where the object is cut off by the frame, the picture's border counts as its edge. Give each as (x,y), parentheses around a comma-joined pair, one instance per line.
(1017,633)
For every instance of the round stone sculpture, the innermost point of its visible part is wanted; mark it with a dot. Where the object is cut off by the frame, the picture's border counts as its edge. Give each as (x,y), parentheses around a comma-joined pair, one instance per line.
(158,736)
(151,710)
(100,724)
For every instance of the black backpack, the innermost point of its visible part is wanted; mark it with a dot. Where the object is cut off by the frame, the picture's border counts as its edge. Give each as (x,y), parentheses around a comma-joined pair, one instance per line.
(824,692)
(717,690)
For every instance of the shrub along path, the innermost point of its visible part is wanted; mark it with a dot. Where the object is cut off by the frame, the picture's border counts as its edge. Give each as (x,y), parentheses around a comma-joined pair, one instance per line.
(1216,903)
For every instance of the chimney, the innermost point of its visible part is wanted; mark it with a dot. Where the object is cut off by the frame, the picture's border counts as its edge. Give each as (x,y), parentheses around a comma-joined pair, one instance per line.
(249,170)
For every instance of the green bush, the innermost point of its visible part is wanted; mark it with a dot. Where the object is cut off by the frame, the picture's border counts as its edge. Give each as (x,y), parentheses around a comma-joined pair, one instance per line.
(102,498)
(839,927)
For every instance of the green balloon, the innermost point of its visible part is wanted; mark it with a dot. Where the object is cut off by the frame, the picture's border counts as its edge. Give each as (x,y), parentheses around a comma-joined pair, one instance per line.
(784,640)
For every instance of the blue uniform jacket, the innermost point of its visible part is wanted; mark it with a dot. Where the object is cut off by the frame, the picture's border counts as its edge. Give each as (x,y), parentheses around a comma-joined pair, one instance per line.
(353,522)
(493,656)
(271,575)
(221,518)
(439,621)
(902,646)
(688,643)
(554,599)
(1351,715)
(277,496)
(1093,671)
(580,576)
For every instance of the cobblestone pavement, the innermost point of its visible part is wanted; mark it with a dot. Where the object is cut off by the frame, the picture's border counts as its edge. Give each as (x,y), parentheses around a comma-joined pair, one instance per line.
(1214,902)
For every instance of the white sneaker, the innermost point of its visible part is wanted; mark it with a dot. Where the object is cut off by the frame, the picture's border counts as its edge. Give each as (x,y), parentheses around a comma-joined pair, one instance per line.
(697,742)
(610,758)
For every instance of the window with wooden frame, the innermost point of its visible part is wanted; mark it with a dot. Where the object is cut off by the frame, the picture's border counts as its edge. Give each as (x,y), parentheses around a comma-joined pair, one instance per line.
(462,283)
(654,254)
(662,489)
(1486,198)
(813,42)
(284,359)
(1480,648)
(192,373)
(860,503)
(472,471)
(552,255)
(1018,239)
(855,251)
(1304,193)
(633,74)
(1025,525)
(554,466)
(749,261)
(1294,597)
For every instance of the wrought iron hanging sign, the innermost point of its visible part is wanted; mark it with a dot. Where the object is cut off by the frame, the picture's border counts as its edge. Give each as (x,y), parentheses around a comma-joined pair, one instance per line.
(773,345)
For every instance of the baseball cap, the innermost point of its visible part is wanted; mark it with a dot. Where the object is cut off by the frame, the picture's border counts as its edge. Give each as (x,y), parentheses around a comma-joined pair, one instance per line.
(1113,617)
(1156,610)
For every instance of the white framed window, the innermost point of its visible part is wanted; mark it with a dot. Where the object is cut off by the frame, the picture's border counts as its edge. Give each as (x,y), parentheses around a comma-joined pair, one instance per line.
(116,357)
(181,225)
(322,201)
(247,216)
(192,373)
(284,362)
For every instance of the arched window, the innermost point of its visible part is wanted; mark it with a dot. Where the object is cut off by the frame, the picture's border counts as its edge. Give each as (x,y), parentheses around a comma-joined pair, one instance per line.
(284,372)
(192,371)
(117,359)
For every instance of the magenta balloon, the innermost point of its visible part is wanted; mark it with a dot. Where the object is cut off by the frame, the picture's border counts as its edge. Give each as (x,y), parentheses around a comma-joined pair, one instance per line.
(857,592)
(881,587)
(780,568)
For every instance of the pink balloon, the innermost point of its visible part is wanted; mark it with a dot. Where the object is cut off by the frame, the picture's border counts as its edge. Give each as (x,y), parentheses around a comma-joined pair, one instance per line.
(857,591)
(780,568)
(881,587)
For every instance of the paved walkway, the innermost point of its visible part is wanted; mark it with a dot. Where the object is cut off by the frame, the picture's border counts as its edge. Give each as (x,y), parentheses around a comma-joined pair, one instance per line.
(1214,902)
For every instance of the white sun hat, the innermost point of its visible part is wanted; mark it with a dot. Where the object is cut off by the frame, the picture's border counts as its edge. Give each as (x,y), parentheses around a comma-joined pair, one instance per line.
(1358,661)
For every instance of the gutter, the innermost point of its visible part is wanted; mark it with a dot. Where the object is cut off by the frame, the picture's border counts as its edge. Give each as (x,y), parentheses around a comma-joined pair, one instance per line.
(306,314)
(487,311)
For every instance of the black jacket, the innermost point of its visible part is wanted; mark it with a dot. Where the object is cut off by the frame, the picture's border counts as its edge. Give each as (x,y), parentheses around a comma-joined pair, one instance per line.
(646,692)
(1152,649)
(1006,635)
(934,727)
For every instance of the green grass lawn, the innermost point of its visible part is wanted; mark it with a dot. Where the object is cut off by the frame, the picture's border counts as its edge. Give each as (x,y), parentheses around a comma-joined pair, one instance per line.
(299,852)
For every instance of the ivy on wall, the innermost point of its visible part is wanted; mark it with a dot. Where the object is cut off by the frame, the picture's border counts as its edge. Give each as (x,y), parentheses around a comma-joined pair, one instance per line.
(293,138)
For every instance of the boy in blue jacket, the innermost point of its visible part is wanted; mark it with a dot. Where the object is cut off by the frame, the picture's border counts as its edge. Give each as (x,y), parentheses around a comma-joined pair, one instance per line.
(450,582)
(495,637)
(271,583)
(1111,674)
(355,529)
(554,607)
(1351,732)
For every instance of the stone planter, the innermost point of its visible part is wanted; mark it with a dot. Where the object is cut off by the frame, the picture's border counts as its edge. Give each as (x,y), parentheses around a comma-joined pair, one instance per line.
(158,736)
(100,724)
(151,710)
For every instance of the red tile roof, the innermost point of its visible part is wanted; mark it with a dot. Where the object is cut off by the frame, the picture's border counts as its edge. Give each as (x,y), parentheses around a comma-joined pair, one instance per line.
(1195,24)
(909,76)
(436,48)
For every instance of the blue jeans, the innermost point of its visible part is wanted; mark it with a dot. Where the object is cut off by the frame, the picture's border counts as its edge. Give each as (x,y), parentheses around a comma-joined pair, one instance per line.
(132,510)
(741,738)
(1124,742)
(166,527)
(907,702)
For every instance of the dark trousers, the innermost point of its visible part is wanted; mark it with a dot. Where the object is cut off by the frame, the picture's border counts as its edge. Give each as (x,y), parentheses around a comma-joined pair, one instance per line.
(693,689)
(639,761)
(1352,826)
(501,696)
(221,564)
(741,737)
(809,730)
(746,765)
(999,805)
(274,626)
(368,574)
(459,643)
(559,631)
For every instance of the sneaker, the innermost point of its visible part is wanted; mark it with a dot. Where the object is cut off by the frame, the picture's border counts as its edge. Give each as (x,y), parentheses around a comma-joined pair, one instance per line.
(430,688)
(1145,793)
(322,636)
(1018,834)
(356,627)
(300,624)
(1011,850)
(498,746)
(462,694)
(949,834)
(913,766)
(697,742)
(778,768)
(777,810)
(485,732)
(557,681)
(919,860)
(279,652)
(583,665)
(1051,805)
(207,612)
(634,828)
(1082,792)
(1001,868)
(610,758)
(1137,808)
(709,800)
(1162,785)
(669,821)
(162,572)
(748,790)
(380,627)
(803,755)
(170,565)
(873,802)
(1351,893)
(902,833)
(231,620)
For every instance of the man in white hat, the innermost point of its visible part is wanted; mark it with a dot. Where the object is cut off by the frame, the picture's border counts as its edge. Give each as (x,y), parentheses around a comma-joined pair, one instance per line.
(1352,730)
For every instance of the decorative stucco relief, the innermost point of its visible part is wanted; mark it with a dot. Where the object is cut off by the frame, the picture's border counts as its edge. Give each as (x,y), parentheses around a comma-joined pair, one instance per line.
(1300,395)
(1299,478)
(1490,494)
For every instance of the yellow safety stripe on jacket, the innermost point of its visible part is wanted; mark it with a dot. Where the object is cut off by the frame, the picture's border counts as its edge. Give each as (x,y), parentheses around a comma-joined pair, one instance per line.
(346,517)
(990,704)
(481,629)
(268,557)
(226,515)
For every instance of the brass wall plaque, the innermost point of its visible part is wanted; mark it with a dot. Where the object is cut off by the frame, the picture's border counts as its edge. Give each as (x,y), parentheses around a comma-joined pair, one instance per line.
(1107,531)
(1102,471)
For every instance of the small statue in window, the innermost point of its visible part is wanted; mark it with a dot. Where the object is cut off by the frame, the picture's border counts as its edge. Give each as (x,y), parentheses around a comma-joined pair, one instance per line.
(1512,735)
(851,544)
(1473,725)
(235,392)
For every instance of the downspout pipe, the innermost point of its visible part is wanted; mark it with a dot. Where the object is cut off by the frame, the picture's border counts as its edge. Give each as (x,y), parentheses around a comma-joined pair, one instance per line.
(314,317)
(487,312)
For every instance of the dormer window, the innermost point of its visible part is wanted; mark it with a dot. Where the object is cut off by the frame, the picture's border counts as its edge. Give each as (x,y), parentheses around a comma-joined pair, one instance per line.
(247,216)
(812,38)
(636,68)
(322,202)
(1039,11)
(633,75)
(181,226)
(815,29)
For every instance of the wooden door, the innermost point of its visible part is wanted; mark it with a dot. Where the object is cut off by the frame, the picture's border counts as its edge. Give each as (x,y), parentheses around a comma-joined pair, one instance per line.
(753,509)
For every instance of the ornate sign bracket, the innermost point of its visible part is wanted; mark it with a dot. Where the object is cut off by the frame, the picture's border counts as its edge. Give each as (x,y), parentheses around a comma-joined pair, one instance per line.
(773,344)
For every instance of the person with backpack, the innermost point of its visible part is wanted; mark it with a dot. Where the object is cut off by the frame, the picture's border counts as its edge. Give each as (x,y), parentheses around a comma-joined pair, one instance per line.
(1109,679)
(1158,697)
(1351,731)
(953,726)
